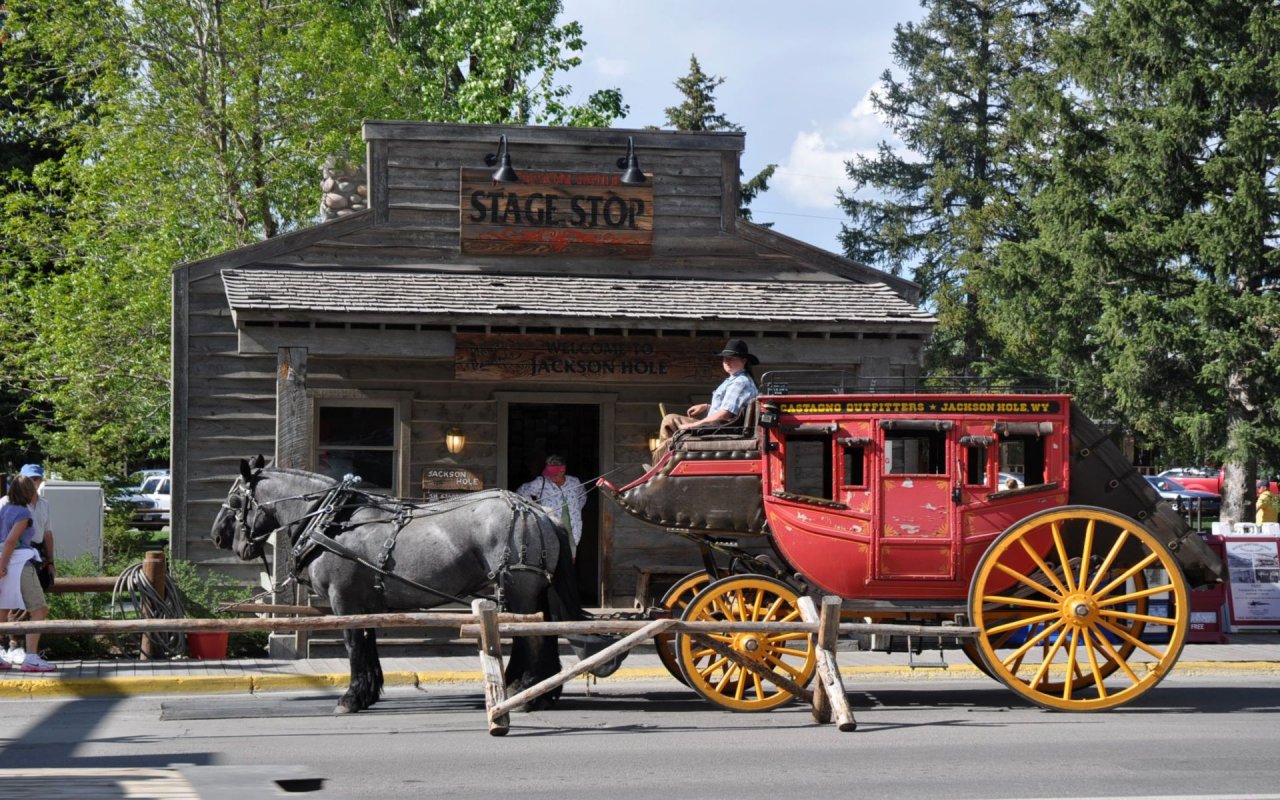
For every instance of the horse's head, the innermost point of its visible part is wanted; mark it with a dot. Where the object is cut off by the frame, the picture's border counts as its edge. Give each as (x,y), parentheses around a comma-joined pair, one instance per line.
(243,524)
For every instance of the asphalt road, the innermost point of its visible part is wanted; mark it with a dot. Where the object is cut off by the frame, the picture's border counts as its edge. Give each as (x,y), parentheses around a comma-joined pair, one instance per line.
(1190,737)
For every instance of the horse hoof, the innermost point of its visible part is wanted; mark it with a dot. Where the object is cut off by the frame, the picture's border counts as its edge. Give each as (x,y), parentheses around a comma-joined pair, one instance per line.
(341,709)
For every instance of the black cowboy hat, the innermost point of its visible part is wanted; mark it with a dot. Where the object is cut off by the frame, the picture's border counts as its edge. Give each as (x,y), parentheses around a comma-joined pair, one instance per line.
(737,347)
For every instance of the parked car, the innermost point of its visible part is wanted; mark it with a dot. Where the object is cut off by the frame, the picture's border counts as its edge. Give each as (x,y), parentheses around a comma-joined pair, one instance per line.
(1203,479)
(1183,498)
(148,502)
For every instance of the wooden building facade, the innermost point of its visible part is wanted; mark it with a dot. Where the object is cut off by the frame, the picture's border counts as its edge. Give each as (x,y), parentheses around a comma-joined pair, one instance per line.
(552,314)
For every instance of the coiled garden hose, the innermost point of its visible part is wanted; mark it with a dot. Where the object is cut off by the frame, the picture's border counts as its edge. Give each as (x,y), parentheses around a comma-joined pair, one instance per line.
(136,588)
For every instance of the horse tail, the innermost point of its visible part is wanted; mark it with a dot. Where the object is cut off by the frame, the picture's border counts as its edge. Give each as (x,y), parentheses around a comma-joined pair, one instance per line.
(562,595)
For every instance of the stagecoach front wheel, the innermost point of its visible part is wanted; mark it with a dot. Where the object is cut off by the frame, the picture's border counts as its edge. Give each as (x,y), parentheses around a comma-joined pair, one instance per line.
(746,598)
(675,600)
(1064,602)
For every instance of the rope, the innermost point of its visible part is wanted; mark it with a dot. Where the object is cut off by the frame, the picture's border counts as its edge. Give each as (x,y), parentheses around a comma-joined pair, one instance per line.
(134,586)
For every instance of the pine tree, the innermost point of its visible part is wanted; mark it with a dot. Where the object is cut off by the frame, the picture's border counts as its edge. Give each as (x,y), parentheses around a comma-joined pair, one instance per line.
(698,113)
(944,205)
(1169,212)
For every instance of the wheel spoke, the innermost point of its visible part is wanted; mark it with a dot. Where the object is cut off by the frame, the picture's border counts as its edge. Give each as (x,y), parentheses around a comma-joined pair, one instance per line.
(1013,573)
(1058,545)
(784,666)
(1032,642)
(1013,626)
(1086,551)
(1043,671)
(1106,563)
(773,608)
(1116,657)
(786,637)
(1118,615)
(1138,595)
(712,667)
(1129,573)
(791,651)
(1131,639)
(1048,573)
(1019,601)
(1099,680)
(1072,666)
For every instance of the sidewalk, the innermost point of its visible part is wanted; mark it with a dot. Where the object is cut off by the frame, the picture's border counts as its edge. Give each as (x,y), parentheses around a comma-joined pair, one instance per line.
(1246,653)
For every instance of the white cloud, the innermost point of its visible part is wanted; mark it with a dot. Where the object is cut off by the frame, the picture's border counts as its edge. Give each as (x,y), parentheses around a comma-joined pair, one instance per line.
(814,167)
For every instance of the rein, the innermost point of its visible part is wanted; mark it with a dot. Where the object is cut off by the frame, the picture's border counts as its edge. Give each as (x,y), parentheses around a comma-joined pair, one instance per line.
(320,534)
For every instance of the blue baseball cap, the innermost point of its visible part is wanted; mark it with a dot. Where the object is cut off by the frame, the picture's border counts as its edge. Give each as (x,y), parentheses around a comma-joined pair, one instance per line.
(33,471)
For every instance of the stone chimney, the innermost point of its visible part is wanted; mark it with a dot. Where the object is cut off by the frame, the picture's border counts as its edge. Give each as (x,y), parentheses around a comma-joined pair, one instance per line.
(346,190)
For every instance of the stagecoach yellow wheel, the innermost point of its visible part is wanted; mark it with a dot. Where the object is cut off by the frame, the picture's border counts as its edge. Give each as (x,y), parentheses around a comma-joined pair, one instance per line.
(675,600)
(746,598)
(1062,600)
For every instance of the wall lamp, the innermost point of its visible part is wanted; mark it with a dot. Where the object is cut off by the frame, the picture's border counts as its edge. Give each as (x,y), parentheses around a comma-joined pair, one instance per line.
(504,173)
(455,440)
(630,166)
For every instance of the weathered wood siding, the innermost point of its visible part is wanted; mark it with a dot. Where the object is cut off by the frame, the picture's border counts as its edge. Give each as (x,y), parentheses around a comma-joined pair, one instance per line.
(231,380)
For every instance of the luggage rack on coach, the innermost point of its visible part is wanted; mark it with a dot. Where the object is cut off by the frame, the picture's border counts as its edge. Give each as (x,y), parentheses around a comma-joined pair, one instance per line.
(823,382)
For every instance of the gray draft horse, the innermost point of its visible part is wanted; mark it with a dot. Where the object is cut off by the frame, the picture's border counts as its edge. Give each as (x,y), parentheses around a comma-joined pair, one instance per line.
(461,547)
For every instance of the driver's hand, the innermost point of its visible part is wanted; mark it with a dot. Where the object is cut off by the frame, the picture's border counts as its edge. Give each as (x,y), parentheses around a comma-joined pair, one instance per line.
(699,410)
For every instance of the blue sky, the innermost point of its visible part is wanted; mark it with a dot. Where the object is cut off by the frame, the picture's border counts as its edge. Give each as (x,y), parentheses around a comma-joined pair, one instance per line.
(797,76)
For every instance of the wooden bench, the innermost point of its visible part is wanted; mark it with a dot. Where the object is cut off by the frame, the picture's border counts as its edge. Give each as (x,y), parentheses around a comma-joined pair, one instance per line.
(646,574)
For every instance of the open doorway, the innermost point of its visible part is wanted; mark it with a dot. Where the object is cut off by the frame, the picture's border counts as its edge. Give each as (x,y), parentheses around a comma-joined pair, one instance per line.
(536,430)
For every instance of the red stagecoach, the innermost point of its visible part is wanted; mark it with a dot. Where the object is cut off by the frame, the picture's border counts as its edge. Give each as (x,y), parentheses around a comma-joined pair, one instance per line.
(1011,513)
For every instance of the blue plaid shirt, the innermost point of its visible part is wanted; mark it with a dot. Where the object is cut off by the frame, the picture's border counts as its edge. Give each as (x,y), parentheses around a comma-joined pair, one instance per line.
(734,393)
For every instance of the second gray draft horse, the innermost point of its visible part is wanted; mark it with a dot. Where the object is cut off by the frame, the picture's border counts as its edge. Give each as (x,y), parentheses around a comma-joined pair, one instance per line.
(366,553)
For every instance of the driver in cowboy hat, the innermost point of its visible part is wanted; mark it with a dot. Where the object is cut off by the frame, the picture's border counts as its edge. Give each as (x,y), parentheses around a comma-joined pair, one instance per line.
(727,402)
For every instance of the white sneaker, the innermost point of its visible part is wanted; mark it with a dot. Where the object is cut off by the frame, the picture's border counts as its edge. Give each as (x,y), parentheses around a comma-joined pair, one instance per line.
(34,663)
(15,656)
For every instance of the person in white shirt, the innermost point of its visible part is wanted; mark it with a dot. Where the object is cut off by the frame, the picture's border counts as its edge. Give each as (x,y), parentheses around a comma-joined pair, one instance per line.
(562,495)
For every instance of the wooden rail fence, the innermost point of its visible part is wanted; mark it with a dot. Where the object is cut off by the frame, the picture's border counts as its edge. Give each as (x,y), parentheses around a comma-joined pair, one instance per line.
(487,626)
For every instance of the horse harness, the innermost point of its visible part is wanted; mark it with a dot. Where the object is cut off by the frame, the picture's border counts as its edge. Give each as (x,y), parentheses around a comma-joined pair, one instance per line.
(323,527)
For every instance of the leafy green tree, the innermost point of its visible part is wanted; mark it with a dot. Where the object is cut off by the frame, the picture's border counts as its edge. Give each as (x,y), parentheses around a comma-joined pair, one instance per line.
(1165,219)
(697,112)
(945,203)
(210,121)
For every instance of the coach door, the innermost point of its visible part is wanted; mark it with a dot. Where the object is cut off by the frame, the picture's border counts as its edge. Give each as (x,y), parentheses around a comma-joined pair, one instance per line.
(915,535)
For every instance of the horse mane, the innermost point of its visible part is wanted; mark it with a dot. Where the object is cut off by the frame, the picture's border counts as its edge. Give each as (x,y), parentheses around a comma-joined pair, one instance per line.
(300,473)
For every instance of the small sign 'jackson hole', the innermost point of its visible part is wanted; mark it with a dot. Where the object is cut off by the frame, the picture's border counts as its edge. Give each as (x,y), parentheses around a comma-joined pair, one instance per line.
(555,213)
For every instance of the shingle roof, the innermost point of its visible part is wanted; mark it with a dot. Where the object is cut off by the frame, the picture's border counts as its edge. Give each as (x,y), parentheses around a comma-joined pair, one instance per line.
(577,298)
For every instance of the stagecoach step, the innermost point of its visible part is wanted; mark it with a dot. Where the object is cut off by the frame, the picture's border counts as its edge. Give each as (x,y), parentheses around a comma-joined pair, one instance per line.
(913,650)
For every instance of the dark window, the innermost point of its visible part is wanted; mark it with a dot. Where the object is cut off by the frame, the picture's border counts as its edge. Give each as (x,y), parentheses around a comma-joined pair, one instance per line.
(357,440)
(855,473)
(915,453)
(1023,458)
(809,466)
(976,465)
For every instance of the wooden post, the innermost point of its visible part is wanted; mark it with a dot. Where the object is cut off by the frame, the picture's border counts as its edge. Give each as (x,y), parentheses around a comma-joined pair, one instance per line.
(495,689)
(293,450)
(830,699)
(154,572)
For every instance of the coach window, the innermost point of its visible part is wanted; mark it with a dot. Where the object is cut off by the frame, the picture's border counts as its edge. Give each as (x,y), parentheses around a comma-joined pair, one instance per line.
(359,439)
(855,461)
(976,449)
(910,452)
(1022,453)
(809,465)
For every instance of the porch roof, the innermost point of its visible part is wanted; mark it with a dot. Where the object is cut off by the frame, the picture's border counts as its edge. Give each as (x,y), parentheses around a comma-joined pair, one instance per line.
(573,300)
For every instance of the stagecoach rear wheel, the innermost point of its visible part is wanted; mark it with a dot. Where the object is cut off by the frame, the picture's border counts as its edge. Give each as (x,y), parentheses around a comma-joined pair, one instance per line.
(1062,600)
(746,598)
(675,600)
